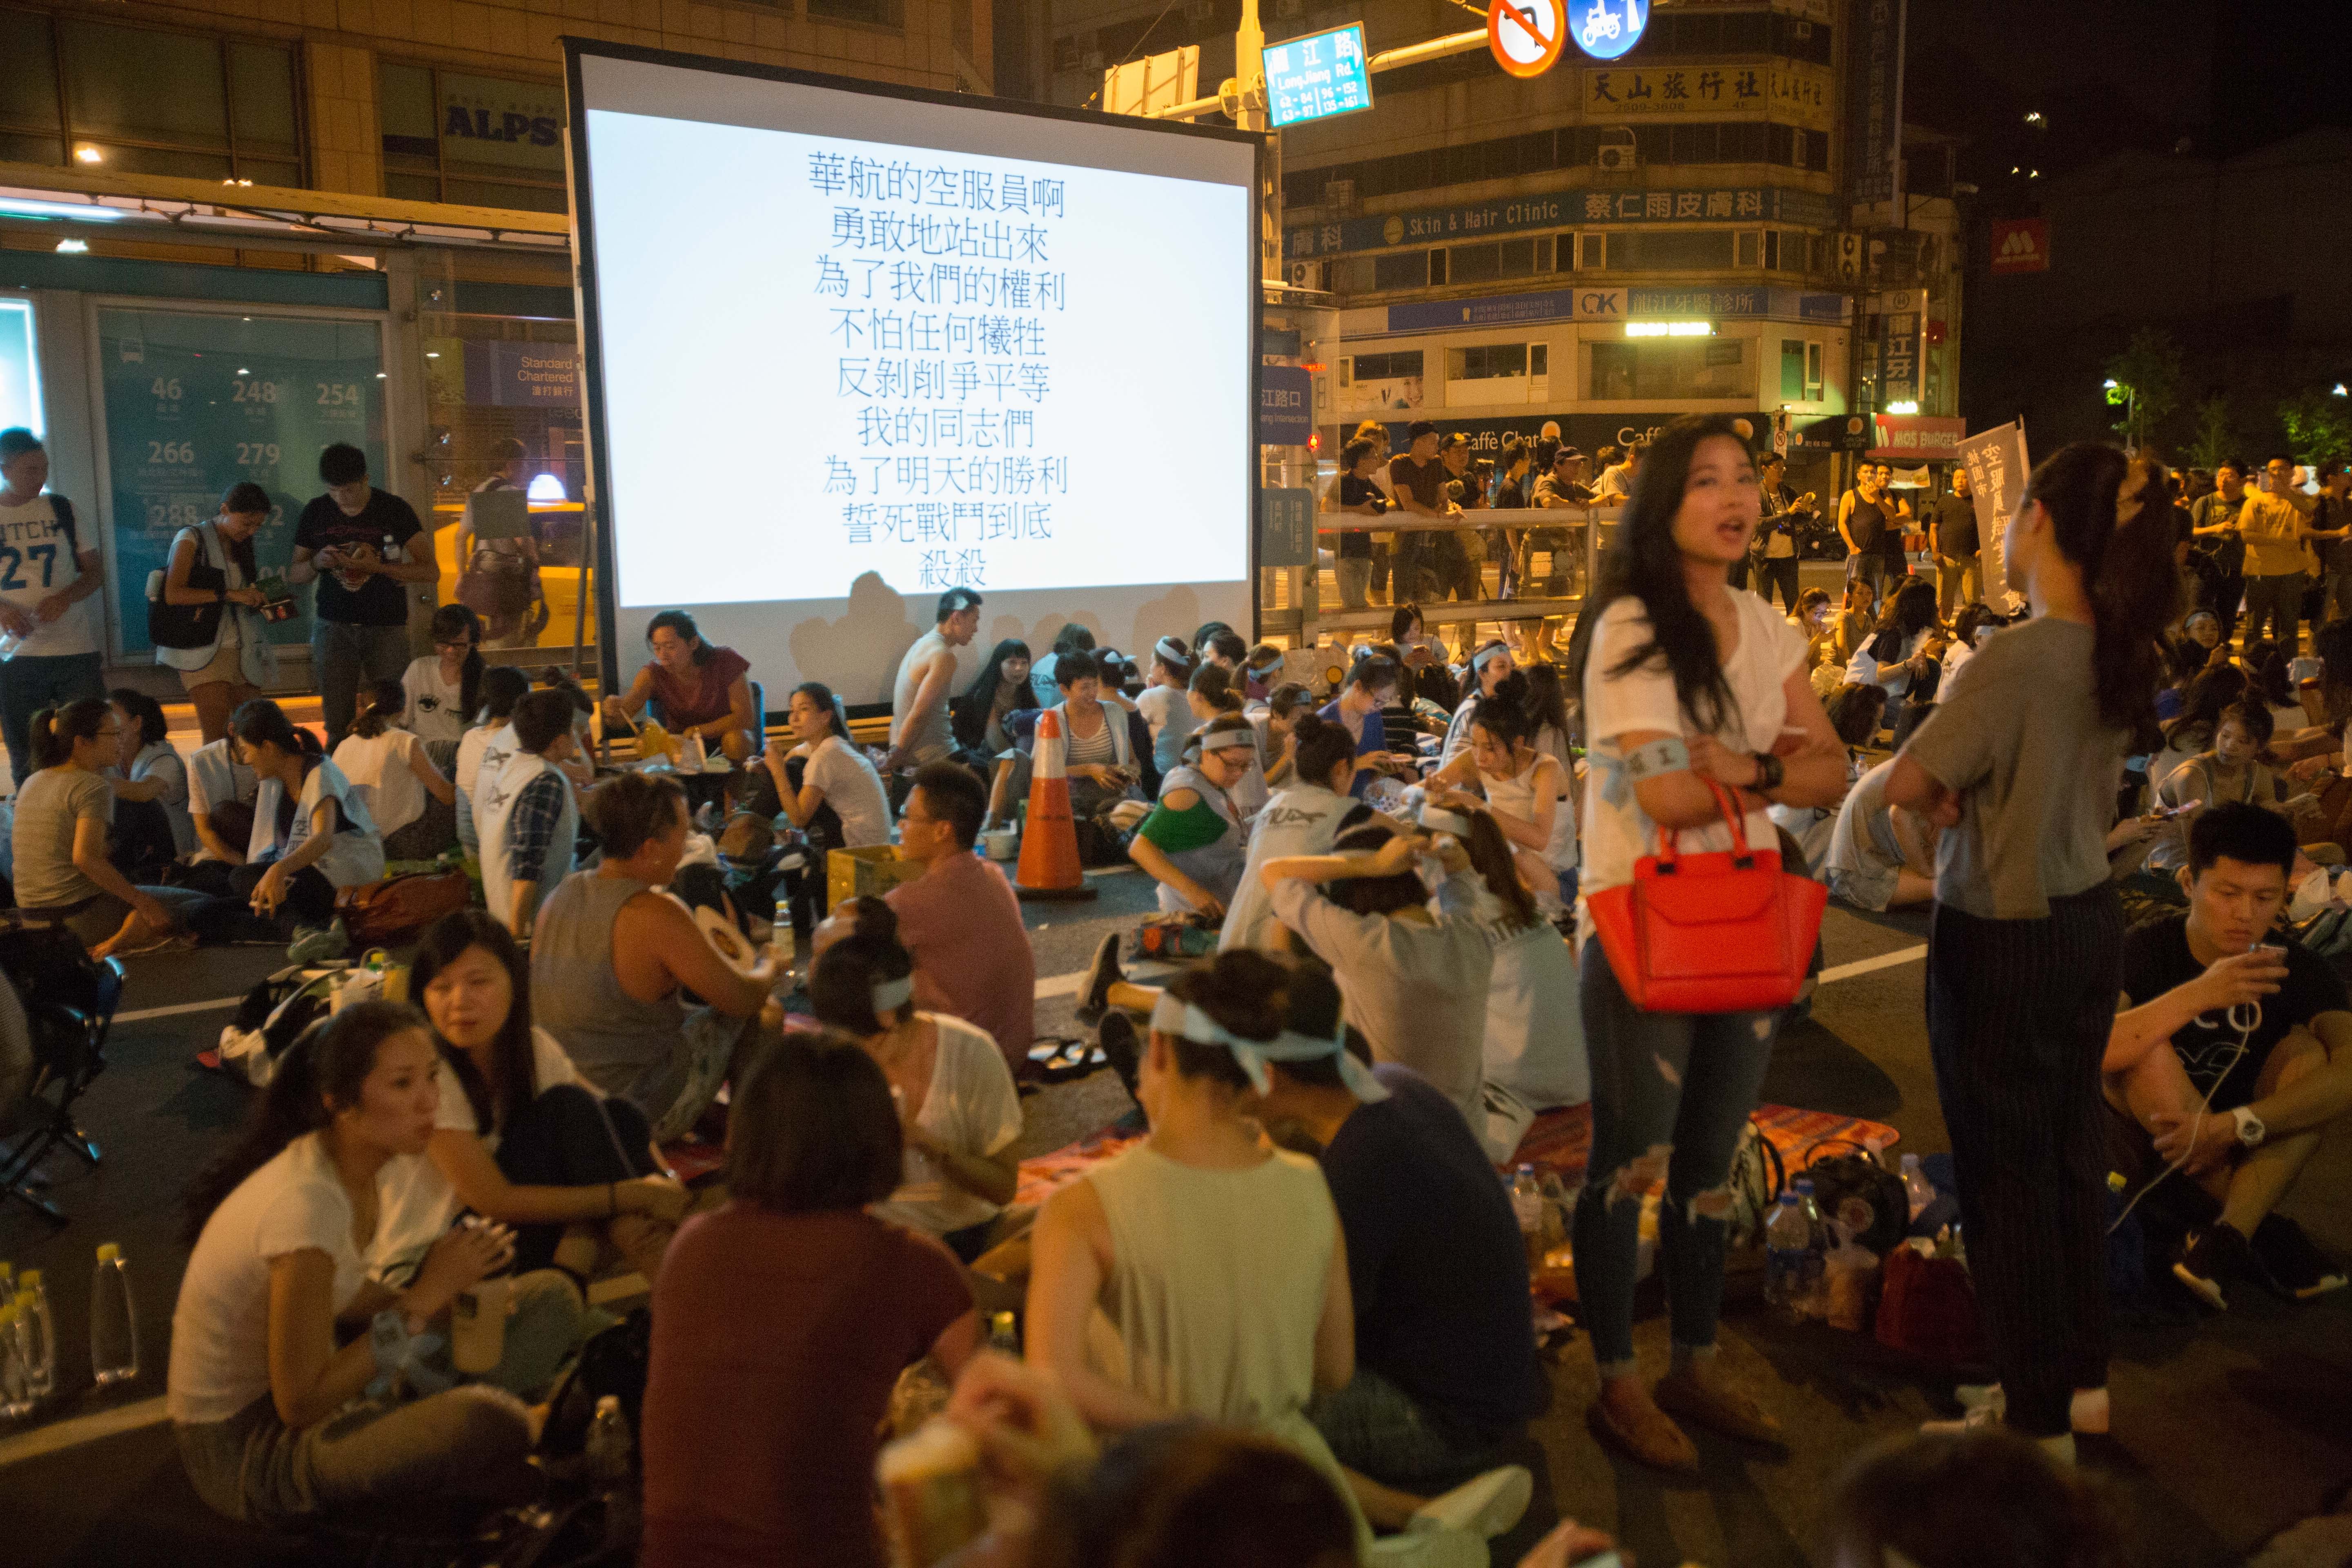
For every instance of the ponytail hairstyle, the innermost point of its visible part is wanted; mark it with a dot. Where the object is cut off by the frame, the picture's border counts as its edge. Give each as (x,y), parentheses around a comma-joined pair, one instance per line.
(2111,517)
(260,722)
(841,982)
(1288,700)
(320,1073)
(387,703)
(144,711)
(1547,703)
(451,622)
(54,730)
(1244,992)
(513,1080)
(1213,684)
(1318,746)
(502,687)
(1171,654)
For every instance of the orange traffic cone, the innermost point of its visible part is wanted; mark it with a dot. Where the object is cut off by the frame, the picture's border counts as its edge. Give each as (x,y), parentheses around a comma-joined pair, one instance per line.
(1049,845)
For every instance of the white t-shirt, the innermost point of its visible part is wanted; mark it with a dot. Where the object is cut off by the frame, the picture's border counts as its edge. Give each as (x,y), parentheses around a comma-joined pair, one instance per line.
(1862,669)
(1959,654)
(973,1109)
(220,1329)
(417,1201)
(355,857)
(1301,820)
(37,559)
(1169,713)
(1620,833)
(159,761)
(381,765)
(483,752)
(435,707)
(853,789)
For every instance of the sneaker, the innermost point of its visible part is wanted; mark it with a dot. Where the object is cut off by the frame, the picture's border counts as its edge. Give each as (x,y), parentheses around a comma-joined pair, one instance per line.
(1485,1506)
(1434,1548)
(1094,988)
(1122,1046)
(2216,1258)
(2297,1269)
(312,943)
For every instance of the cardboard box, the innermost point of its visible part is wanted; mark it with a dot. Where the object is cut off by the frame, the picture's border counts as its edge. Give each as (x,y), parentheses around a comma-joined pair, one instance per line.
(859,873)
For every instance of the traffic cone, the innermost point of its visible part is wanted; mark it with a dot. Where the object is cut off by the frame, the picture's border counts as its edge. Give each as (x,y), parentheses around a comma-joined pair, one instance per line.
(1049,845)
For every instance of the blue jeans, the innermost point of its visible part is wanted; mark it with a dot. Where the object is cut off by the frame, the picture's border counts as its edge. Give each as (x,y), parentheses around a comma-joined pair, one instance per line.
(1671,1094)
(30,682)
(342,656)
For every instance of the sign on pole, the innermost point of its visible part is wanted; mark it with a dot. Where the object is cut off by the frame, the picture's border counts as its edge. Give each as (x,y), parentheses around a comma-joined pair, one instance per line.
(1317,77)
(1285,527)
(1154,83)
(1996,473)
(1527,35)
(1605,29)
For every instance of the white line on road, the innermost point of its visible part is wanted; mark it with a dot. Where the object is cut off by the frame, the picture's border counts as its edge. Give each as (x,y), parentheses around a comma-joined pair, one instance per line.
(143,1014)
(1865,966)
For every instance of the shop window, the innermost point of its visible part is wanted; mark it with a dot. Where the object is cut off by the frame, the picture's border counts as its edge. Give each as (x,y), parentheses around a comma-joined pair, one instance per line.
(1644,370)
(449,136)
(1671,250)
(1403,269)
(1473,263)
(20,366)
(1487,362)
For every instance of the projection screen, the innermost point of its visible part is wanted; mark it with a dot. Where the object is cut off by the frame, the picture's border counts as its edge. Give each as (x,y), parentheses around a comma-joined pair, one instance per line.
(849,345)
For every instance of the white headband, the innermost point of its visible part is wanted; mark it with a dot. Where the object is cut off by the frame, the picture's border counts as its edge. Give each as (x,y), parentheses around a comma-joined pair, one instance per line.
(1172,1015)
(1487,654)
(889,995)
(1171,650)
(1443,820)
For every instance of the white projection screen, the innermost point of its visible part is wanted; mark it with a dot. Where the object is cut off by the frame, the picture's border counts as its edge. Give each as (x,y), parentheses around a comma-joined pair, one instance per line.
(850,344)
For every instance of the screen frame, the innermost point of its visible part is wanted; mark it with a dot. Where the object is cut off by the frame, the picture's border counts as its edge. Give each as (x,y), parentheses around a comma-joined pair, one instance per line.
(586,307)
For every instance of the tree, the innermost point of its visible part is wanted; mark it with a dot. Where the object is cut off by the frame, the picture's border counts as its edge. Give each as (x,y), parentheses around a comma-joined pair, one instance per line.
(2319,426)
(2213,444)
(2144,382)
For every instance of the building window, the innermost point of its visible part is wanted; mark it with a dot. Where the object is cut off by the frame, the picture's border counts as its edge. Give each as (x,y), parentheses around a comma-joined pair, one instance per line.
(1800,371)
(229,110)
(877,12)
(1489,362)
(1592,252)
(1648,369)
(1473,263)
(1672,250)
(483,140)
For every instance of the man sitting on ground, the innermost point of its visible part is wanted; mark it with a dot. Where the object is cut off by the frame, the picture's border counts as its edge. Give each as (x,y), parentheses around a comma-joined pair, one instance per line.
(2260,1059)
(1880,858)
(960,918)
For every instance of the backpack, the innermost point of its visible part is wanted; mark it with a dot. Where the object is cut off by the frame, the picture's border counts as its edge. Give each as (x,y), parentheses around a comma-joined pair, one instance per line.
(391,911)
(614,1362)
(1867,1196)
(273,1015)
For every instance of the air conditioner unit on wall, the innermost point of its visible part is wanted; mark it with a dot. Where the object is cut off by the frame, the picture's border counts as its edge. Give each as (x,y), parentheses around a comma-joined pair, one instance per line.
(1615,159)
(1849,257)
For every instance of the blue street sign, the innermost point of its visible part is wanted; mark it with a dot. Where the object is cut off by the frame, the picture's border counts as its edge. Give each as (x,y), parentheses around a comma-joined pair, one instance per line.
(1605,29)
(1317,77)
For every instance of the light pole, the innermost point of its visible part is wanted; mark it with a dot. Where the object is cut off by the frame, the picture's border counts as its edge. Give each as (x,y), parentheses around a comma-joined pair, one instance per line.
(2118,394)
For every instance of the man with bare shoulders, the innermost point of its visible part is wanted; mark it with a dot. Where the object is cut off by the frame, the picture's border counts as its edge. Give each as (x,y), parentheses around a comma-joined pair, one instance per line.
(919,703)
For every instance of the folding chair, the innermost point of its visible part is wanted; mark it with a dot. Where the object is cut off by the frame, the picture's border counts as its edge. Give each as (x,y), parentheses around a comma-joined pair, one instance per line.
(64,1002)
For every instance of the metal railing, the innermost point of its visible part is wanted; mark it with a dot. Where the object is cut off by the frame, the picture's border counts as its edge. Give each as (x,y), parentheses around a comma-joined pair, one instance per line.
(1588,527)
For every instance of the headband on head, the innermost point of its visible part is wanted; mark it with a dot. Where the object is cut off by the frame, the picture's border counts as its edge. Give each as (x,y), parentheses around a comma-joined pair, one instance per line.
(1173,1016)
(1228,740)
(889,995)
(1487,654)
(1440,819)
(1171,650)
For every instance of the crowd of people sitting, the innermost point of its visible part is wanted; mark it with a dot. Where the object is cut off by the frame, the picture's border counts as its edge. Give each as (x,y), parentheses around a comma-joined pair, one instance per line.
(1296,1311)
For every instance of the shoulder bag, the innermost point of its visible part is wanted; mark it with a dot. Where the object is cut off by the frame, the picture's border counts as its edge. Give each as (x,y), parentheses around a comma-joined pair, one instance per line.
(190,626)
(1726,931)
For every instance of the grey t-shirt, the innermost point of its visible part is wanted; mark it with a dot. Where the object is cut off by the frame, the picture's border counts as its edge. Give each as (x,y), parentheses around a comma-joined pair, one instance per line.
(2018,737)
(1862,845)
(52,801)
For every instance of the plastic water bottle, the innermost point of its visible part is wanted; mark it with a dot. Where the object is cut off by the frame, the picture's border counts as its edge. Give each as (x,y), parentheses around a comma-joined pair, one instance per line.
(607,1448)
(1915,1185)
(16,1392)
(38,1332)
(1005,1335)
(1787,1252)
(1817,1299)
(113,1322)
(1528,1208)
(9,642)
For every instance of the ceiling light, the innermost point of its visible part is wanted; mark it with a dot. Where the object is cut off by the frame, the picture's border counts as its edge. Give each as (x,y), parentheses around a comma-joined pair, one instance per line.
(546,487)
(73,246)
(86,154)
(25,206)
(1669,329)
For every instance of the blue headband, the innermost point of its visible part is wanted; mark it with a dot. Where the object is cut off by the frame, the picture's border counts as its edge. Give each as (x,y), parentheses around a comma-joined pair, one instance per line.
(1172,1015)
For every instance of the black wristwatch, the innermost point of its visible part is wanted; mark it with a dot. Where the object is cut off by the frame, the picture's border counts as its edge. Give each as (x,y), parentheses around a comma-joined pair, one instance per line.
(1768,773)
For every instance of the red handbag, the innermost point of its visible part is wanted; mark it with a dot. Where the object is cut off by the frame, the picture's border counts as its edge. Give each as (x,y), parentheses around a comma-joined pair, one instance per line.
(1726,931)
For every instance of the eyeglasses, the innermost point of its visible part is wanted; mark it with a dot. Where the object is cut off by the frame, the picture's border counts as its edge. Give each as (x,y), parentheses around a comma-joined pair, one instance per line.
(456,647)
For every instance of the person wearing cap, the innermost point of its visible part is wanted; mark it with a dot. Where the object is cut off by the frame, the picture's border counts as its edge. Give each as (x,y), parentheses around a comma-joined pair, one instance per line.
(1446,1376)
(1489,668)
(1193,842)
(1415,971)
(1560,487)
(1417,479)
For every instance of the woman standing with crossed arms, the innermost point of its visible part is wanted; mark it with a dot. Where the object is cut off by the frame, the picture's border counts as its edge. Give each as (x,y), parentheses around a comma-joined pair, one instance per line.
(2019,764)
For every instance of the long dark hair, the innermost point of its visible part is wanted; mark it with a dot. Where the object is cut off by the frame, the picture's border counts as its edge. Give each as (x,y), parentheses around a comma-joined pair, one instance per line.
(681,622)
(514,1076)
(1502,718)
(970,712)
(144,711)
(818,692)
(1643,563)
(1547,701)
(451,622)
(54,730)
(387,701)
(1215,686)
(2127,567)
(2209,692)
(1318,746)
(259,719)
(841,984)
(501,689)
(1910,609)
(318,1073)
(1491,858)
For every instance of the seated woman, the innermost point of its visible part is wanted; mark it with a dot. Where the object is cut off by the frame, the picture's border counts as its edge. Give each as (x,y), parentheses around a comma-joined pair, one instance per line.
(220,803)
(312,837)
(703,690)
(2232,770)
(824,783)
(444,688)
(1215,691)
(783,1320)
(530,820)
(520,1137)
(490,742)
(1216,1259)
(1277,725)
(1043,688)
(1002,687)
(415,806)
(1195,840)
(959,1113)
(1521,788)
(1489,668)
(1098,748)
(1302,820)
(1968,625)
(612,955)
(1371,686)
(151,826)
(278,1333)
(1880,857)
(1163,703)
(57,840)
(1897,657)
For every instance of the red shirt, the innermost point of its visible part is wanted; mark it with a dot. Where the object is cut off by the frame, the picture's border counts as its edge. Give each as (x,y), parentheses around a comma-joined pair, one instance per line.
(777,1338)
(962,922)
(700,697)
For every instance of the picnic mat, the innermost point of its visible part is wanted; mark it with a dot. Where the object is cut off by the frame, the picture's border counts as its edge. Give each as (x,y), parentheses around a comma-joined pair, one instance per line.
(1560,1141)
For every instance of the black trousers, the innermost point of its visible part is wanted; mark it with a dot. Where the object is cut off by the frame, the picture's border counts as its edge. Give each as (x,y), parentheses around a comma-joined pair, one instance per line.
(1777,572)
(2018,1017)
(142,844)
(568,1137)
(309,901)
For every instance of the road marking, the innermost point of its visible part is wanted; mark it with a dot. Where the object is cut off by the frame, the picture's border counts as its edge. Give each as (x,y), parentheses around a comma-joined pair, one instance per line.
(143,1014)
(1865,966)
(62,1435)
(1052,985)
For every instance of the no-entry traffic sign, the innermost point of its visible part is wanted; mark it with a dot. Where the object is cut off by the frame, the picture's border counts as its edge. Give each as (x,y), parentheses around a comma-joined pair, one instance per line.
(1527,35)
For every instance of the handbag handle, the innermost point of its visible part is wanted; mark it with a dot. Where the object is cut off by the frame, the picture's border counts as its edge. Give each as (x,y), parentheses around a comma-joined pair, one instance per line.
(1743,857)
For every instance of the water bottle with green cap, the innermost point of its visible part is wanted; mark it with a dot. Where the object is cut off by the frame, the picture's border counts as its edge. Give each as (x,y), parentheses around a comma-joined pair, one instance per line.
(114,1324)
(38,1332)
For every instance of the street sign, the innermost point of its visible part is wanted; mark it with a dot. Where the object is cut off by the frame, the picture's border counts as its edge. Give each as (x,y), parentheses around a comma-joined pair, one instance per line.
(1317,77)
(1605,29)
(1527,35)
(1285,527)
(1154,83)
